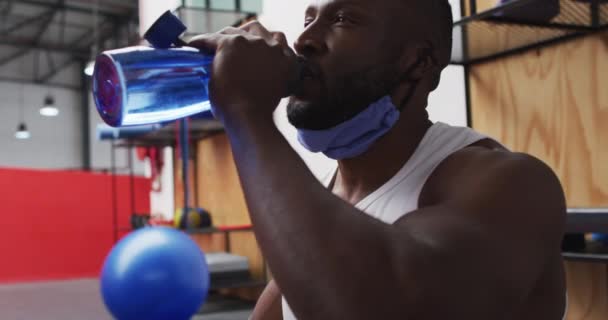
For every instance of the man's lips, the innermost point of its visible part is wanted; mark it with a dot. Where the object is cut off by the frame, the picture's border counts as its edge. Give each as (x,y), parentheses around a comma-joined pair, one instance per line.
(309,70)
(308,74)
(310,81)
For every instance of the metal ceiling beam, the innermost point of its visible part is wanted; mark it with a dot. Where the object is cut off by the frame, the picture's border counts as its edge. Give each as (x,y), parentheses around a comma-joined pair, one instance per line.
(28,81)
(13,56)
(4,13)
(105,13)
(120,6)
(54,71)
(72,48)
(68,24)
(106,34)
(35,41)
(28,21)
(6,9)
(62,29)
(52,47)
(87,34)
(108,28)
(49,59)
(36,63)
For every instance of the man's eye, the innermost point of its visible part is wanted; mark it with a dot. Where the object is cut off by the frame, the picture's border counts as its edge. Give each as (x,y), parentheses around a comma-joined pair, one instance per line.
(340,18)
(307,22)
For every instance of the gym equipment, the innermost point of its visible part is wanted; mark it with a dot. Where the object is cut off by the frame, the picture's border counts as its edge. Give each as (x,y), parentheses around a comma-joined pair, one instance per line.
(226,268)
(139,221)
(600,238)
(141,85)
(155,273)
(196,218)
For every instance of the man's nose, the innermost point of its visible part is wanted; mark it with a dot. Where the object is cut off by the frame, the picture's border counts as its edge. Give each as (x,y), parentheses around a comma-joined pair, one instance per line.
(310,43)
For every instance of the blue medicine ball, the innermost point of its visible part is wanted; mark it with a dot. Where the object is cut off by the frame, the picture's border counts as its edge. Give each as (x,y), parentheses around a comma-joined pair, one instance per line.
(155,273)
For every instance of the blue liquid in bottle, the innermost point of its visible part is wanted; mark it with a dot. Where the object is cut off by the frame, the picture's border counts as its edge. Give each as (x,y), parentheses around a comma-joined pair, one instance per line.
(142,85)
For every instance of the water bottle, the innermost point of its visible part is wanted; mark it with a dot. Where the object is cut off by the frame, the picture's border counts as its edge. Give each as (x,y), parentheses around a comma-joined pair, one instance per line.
(142,85)
(148,85)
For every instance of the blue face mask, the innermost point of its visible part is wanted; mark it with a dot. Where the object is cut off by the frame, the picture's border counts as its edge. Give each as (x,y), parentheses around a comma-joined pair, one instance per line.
(355,136)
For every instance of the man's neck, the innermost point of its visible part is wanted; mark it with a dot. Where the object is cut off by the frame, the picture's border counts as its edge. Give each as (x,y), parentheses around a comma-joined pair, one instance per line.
(360,176)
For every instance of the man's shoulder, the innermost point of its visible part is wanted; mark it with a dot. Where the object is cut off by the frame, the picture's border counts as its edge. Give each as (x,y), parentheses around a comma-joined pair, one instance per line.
(487,167)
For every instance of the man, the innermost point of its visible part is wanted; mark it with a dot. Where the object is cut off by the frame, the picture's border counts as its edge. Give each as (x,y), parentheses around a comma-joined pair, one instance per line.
(419,220)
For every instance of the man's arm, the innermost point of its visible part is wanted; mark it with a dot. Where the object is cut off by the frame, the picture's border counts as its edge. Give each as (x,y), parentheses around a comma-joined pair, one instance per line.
(269,305)
(474,255)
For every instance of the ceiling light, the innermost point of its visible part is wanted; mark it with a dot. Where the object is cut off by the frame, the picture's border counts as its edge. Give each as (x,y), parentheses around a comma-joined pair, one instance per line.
(49,109)
(88,70)
(22,132)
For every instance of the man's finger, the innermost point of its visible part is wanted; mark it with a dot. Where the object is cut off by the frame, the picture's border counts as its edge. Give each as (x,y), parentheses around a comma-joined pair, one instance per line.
(255,27)
(280,38)
(233,30)
(209,42)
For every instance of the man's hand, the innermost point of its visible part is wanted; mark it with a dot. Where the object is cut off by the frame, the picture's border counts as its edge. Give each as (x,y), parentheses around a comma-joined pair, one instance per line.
(251,71)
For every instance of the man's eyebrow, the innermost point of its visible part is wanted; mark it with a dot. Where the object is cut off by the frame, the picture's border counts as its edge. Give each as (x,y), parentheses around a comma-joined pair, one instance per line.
(339,4)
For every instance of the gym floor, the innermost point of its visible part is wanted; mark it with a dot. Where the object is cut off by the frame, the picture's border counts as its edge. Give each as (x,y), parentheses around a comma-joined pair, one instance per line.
(78,300)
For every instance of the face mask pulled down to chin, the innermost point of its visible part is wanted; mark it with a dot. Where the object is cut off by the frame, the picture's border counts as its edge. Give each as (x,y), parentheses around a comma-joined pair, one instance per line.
(354,137)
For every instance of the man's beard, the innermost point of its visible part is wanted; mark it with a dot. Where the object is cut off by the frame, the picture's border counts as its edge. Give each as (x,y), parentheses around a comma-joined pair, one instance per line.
(351,94)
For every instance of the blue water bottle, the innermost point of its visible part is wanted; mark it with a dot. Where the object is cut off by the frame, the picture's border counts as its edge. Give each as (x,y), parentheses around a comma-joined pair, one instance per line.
(142,85)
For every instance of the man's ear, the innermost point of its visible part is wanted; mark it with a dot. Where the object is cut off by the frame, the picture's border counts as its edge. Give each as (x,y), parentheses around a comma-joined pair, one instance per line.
(418,62)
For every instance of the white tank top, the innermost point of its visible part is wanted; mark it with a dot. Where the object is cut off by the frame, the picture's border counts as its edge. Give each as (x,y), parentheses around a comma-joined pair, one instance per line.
(399,195)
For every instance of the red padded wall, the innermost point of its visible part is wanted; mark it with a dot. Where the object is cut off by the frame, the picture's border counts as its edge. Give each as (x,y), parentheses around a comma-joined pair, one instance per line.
(59,224)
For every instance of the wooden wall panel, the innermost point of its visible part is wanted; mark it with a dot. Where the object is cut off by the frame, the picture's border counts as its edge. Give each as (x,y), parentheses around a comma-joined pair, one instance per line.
(553,104)
(482,5)
(486,37)
(219,188)
(219,192)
